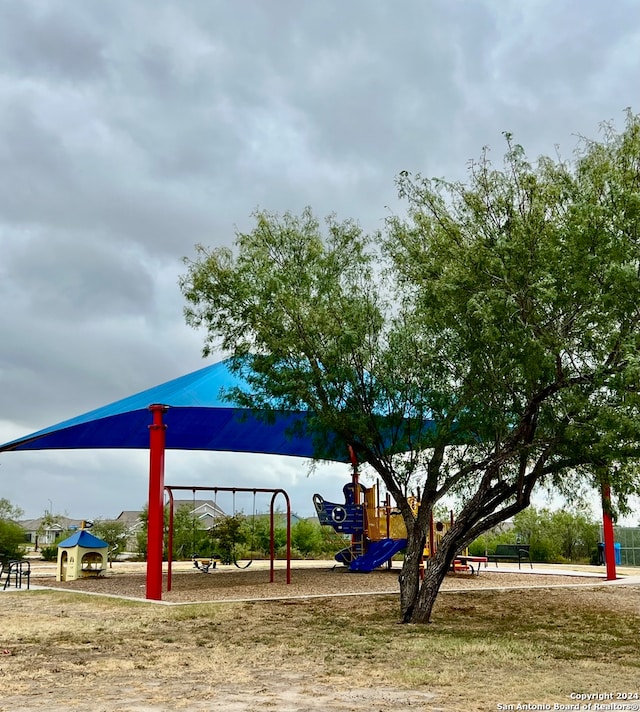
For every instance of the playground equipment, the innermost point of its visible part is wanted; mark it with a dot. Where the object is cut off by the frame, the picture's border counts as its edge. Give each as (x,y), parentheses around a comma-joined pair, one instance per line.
(82,555)
(169,489)
(225,529)
(204,563)
(377,534)
(377,530)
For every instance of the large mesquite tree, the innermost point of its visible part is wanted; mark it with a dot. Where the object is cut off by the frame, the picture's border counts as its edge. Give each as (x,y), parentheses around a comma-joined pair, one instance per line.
(482,345)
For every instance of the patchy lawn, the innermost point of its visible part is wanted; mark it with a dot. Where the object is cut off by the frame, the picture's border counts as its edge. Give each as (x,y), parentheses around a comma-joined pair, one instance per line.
(485,648)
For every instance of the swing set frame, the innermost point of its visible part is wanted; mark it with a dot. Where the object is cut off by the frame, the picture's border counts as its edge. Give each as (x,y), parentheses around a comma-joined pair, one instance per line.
(169,489)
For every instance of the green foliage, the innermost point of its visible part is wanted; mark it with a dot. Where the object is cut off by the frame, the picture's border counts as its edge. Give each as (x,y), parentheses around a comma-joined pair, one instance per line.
(114,533)
(188,538)
(12,535)
(562,535)
(259,534)
(48,521)
(486,543)
(142,533)
(229,534)
(503,310)
(308,539)
(141,545)
(11,541)
(49,553)
(9,511)
(554,537)
(305,537)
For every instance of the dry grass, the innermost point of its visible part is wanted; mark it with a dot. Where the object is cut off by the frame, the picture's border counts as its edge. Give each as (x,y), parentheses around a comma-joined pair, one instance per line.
(71,651)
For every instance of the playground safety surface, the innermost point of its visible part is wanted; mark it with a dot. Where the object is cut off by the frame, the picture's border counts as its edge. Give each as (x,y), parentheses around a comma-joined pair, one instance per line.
(308,579)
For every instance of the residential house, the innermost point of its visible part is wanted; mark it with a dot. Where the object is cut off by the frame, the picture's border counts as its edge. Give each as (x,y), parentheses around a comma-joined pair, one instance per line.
(133,526)
(204,510)
(44,531)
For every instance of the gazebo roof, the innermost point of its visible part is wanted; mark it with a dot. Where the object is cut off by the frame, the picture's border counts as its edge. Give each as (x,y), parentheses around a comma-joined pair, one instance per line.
(85,539)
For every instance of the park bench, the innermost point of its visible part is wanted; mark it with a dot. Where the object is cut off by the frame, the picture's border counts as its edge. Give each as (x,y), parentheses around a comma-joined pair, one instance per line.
(511,552)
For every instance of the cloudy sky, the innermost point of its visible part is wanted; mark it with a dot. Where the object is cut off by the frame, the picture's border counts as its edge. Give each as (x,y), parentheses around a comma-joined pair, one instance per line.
(131,131)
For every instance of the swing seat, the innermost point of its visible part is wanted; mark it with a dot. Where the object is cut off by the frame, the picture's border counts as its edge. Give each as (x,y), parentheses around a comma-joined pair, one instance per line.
(242,566)
(205,563)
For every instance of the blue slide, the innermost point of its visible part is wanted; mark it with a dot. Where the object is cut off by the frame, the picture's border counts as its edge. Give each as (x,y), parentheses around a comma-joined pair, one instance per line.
(378,552)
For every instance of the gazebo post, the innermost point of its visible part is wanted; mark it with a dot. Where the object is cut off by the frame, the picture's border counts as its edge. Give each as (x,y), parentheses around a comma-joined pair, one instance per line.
(155,528)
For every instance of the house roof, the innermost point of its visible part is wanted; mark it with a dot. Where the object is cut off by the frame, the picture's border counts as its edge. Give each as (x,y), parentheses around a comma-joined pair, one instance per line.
(85,539)
(199,506)
(130,517)
(60,524)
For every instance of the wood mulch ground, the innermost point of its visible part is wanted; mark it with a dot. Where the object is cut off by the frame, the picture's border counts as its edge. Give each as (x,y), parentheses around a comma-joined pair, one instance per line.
(228,583)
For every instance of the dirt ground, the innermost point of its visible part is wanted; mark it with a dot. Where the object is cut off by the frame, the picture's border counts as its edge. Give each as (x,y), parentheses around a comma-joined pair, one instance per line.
(308,578)
(315,649)
(313,579)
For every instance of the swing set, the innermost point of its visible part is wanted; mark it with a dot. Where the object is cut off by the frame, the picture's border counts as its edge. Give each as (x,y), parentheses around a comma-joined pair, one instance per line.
(227,554)
(206,563)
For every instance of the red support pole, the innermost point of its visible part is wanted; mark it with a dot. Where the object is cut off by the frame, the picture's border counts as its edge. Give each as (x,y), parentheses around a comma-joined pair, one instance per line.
(355,479)
(155,529)
(607,528)
(272,546)
(170,544)
(286,496)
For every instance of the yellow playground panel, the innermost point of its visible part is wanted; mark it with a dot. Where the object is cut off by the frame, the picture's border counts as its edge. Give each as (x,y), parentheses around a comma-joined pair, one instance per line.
(383,521)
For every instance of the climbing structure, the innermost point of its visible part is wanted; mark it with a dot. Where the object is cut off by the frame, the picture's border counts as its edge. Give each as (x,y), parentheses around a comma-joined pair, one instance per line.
(377,529)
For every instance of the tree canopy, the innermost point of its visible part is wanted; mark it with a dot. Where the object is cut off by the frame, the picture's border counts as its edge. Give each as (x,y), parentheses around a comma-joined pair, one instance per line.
(483,344)
(12,536)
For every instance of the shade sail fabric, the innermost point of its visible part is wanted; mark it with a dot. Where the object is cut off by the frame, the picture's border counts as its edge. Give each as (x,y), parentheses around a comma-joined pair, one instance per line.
(199,418)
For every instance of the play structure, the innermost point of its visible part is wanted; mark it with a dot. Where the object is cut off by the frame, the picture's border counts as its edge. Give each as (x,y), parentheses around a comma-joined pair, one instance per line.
(82,555)
(376,528)
(205,563)
(378,531)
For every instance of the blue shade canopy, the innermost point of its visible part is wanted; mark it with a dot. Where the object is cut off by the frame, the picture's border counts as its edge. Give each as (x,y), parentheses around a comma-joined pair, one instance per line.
(199,418)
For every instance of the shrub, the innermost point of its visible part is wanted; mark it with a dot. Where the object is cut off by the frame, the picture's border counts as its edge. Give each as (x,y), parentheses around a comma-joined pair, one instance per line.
(49,553)
(11,541)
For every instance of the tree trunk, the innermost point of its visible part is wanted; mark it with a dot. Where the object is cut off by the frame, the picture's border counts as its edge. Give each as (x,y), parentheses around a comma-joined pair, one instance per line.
(417,598)
(410,578)
(435,571)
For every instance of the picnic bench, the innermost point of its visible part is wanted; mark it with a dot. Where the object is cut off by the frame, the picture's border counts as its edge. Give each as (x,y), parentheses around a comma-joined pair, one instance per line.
(511,552)
(463,562)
